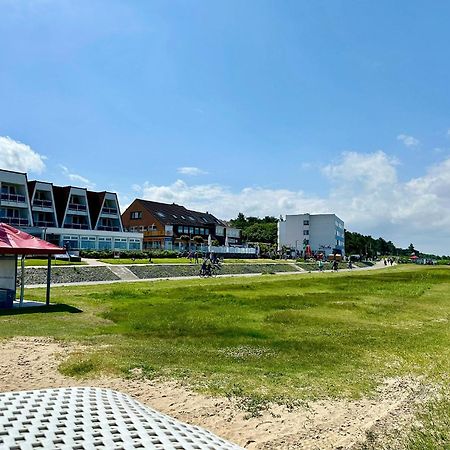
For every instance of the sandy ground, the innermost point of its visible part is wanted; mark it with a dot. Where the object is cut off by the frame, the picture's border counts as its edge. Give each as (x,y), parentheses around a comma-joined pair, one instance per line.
(31,363)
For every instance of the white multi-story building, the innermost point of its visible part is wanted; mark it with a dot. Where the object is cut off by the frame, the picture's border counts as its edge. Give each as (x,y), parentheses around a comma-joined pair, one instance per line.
(65,216)
(323,232)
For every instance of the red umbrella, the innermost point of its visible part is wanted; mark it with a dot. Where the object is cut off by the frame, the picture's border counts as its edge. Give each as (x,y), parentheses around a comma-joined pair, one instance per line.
(16,242)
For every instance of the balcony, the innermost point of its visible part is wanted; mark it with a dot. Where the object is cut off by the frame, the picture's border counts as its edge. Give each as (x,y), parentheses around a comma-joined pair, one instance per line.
(106,210)
(44,223)
(77,207)
(77,226)
(106,228)
(14,221)
(43,203)
(13,198)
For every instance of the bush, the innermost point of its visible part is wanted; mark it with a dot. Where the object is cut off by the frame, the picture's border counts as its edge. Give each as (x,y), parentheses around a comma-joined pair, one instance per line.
(137,254)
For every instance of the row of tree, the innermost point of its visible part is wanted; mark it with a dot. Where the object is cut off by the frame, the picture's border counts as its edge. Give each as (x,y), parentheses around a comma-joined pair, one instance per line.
(264,230)
(255,229)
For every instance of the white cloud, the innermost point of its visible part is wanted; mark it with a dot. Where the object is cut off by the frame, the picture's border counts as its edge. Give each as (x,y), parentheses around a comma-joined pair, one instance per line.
(192,171)
(77,178)
(17,156)
(409,141)
(365,192)
(225,203)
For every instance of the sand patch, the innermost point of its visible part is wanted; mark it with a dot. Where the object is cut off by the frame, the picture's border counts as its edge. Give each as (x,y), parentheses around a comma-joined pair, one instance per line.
(32,363)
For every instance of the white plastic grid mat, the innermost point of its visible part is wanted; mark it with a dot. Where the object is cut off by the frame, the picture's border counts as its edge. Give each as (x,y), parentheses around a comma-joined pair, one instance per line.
(85,418)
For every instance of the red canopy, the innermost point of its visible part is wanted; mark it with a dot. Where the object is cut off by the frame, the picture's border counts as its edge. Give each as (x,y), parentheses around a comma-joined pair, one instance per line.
(16,242)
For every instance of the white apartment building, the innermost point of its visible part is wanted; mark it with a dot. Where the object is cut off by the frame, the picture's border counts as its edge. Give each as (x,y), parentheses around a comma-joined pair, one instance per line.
(323,232)
(65,216)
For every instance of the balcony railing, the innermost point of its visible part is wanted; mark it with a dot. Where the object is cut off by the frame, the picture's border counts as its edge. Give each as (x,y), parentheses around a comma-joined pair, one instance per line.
(13,198)
(77,226)
(107,210)
(153,233)
(77,207)
(44,223)
(105,228)
(14,221)
(42,203)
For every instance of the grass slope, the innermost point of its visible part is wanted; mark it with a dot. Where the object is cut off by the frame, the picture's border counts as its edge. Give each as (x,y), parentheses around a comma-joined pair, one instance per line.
(55,262)
(268,337)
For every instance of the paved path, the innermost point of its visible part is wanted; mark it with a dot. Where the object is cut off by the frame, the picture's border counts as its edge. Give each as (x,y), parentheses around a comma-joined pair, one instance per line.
(123,273)
(378,265)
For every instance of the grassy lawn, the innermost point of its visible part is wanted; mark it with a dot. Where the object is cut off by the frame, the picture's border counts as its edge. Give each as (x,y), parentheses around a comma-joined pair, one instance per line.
(184,261)
(55,262)
(268,337)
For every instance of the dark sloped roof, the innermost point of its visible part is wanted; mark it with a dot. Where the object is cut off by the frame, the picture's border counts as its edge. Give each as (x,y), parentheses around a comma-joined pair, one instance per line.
(171,213)
(95,200)
(61,195)
(31,187)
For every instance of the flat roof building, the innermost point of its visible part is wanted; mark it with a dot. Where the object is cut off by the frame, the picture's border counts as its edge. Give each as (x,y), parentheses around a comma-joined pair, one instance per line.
(324,233)
(64,215)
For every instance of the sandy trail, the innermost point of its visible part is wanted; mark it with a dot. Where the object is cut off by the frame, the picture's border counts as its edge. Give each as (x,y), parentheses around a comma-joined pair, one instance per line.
(31,363)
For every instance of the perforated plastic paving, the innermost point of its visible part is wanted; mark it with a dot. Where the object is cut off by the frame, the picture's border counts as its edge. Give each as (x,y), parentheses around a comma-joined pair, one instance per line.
(84,418)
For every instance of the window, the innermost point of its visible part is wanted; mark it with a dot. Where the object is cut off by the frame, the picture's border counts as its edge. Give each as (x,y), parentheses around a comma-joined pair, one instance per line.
(87,242)
(134,244)
(191,230)
(305,232)
(160,214)
(174,216)
(136,215)
(190,217)
(196,231)
(104,243)
(120,243)
(70,242)
(306,222)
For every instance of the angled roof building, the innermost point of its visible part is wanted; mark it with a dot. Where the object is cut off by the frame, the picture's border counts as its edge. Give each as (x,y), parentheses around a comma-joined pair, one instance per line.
(164,225)
(64,215)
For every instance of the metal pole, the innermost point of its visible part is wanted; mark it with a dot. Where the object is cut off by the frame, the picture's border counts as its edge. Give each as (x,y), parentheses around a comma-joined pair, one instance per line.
(22,278)
(49,269)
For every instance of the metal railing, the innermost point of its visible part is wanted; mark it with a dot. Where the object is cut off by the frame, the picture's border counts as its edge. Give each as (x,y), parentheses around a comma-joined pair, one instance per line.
(44,223)
(105,228)
(14,221)
(13,198)
(77,207)
(107,210)
(77,226)
(42,203)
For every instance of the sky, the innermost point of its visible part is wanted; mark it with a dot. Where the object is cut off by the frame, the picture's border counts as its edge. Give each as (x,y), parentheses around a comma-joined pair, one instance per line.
(261,107)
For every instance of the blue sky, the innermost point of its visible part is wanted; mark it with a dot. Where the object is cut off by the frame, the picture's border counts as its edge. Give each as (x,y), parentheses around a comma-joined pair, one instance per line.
(264,107)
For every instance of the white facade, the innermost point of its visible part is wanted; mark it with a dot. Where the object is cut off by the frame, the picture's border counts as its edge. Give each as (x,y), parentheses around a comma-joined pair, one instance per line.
(33,207)
(15,207)
(323,232)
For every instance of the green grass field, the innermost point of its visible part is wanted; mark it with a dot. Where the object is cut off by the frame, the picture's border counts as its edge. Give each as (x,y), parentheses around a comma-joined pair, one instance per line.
(55,262)
(128,261)
(272,336)
(279,338)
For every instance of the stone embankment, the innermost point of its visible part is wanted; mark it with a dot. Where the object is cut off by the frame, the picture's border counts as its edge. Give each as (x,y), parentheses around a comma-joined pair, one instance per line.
(69,274)
(81,274)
